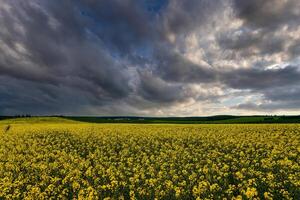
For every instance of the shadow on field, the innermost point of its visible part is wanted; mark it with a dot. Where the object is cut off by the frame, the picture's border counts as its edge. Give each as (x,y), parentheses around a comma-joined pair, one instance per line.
(226,119)
(220,119)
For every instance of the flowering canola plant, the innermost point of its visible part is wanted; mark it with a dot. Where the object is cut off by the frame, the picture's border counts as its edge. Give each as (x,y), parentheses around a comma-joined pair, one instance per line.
(127,161)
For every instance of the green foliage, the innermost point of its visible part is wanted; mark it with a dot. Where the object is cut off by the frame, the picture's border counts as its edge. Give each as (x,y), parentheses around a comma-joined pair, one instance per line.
(126,161)
(221,119)
(35,120)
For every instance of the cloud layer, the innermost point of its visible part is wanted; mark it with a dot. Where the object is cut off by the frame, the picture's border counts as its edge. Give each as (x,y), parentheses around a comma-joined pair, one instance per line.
(166,57)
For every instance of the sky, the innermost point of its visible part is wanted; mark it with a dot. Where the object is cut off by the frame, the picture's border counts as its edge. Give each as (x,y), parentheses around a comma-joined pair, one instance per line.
(149,57)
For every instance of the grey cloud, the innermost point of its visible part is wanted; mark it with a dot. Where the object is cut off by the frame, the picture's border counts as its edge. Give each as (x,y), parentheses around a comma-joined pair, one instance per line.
(122,25)
(59,55)
(25,97)
(174,67)
(279,97)
(294,49)
(184,16)
(284,94)
(268,13)
(239,39)
(258,79)
(266,28)
(155,89)
(269,106)
(76,56)
(253,42)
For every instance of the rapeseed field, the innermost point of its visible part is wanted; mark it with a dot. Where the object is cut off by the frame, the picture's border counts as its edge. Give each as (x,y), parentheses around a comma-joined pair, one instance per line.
(127,161)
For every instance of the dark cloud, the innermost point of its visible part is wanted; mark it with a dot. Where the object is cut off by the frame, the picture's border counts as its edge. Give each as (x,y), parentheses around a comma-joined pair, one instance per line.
(153,88)
(184,16)
(120,57)
(266,28)
(294,49)
(283,94)
(239,39)
(278,97)
(259,79)
(268,13)
(21,97)
(122,25)
(253,42)
(173,67)
(57,56)
(269,106)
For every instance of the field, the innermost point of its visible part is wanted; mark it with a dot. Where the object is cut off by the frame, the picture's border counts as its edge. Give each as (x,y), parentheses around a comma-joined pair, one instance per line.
(62,159)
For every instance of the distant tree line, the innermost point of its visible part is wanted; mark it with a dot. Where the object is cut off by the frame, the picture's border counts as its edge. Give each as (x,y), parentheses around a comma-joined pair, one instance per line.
(22,116)
(15,116)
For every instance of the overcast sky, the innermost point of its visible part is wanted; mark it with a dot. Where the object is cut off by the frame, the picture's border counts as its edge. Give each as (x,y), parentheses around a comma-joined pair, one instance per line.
(149,57)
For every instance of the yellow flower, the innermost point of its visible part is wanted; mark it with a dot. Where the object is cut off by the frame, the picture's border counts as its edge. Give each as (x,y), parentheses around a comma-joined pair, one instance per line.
(268,196)
(177,192)
(239,175)
(251,192)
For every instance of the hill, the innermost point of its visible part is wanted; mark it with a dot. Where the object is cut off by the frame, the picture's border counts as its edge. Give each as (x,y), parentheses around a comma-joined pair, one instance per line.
(220,119)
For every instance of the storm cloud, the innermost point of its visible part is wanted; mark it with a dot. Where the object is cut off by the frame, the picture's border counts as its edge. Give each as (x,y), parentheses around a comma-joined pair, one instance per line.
(165,57)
